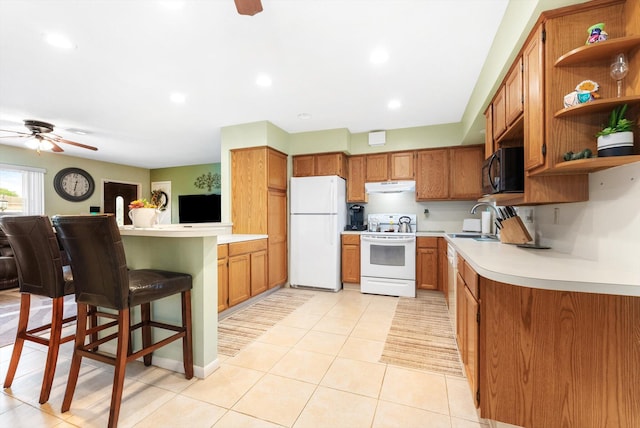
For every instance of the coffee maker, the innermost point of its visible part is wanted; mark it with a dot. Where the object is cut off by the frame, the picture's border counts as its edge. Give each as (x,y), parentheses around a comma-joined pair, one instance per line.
(356,218)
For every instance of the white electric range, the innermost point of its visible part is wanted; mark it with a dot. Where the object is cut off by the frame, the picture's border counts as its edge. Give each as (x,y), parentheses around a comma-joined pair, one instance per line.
(388,256)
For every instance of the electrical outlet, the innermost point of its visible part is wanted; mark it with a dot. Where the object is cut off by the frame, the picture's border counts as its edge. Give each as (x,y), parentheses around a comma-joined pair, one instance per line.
(556,216)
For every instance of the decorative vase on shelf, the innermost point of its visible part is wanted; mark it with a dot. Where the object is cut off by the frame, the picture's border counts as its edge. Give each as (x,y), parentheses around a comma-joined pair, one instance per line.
(143,217)
(616,144)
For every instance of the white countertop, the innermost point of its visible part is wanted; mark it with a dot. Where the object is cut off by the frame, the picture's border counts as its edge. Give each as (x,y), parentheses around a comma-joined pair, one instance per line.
(547,269)
(230,239)
(176,231)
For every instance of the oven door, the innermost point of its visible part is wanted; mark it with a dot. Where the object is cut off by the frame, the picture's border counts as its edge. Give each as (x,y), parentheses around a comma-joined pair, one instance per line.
(388,256)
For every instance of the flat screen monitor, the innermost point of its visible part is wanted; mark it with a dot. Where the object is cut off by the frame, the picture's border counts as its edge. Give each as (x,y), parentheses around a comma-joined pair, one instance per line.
(199,208)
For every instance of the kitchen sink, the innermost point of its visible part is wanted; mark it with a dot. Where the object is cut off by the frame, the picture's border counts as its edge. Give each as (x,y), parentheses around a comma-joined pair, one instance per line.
(476,236)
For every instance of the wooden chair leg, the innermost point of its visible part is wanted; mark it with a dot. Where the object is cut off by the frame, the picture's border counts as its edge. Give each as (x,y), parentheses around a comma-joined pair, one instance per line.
(74,370)
(145,314)
(57,315)
(23,321)
(187,340)
(120,366)
(91,310)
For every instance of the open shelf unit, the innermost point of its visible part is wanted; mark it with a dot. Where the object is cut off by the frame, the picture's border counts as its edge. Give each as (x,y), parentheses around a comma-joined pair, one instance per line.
(598,51)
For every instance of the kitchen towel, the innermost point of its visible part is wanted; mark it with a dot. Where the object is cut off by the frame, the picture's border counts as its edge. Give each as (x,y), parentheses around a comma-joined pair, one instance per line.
(486,222)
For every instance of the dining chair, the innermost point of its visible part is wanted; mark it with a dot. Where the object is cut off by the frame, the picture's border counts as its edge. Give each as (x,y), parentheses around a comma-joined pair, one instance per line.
(41,272)
(105,287)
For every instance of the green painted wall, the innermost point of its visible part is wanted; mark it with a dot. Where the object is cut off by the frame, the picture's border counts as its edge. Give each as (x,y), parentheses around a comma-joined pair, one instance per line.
(183,180)
(52,163)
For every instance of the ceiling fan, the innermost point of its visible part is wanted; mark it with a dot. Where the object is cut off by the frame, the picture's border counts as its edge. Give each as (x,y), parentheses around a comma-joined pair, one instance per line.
(45,139)
(248,7)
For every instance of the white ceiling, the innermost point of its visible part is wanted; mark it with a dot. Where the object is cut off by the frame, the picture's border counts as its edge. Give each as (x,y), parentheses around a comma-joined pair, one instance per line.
(130,55)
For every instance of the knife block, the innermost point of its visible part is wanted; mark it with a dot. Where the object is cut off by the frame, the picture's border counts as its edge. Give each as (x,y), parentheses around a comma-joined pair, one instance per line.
(514,232)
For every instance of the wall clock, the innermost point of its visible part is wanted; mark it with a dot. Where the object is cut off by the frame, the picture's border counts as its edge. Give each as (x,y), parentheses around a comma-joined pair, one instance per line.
(74,184)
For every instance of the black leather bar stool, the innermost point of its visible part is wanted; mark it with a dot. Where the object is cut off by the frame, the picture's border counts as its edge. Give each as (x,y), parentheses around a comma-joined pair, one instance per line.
(41,272)
(102,281)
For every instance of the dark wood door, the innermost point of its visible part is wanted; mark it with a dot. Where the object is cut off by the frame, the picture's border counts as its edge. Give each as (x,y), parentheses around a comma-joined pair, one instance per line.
(128,192)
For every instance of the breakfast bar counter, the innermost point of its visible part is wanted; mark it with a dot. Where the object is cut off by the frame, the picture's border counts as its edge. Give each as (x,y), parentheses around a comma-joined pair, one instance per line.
(190,250)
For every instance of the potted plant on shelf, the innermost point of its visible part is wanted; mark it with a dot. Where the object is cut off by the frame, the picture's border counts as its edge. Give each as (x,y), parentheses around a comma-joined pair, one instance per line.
(616,139)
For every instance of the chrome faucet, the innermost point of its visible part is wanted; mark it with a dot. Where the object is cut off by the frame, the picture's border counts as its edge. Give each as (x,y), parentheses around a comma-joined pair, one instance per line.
(495,210)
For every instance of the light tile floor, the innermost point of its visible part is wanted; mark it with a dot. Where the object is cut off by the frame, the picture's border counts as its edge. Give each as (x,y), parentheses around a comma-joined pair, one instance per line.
(316,368)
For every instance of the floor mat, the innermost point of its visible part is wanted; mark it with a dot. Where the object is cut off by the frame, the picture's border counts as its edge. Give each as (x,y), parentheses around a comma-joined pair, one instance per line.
(243,327)
(421,335)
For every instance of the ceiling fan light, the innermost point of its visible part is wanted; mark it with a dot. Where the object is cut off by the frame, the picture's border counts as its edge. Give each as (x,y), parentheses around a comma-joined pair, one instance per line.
(32,144)
(45,145)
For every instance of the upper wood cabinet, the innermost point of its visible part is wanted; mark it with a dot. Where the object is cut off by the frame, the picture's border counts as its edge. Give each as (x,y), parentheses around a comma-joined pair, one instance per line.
(534,122)
(377,167)
(513,92)
(356,178)
(276,170)
(303,165)
(320,164)
(432,178)
(449,173)
(499,113)
(402,165)
(489,147)
(466,172)
(390,166)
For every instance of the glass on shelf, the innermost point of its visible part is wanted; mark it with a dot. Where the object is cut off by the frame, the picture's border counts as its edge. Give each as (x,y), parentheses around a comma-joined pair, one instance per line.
(619,69)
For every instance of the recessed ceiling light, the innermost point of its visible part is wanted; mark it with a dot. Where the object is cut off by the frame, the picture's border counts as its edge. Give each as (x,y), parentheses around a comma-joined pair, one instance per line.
(263,80)
(394,104)
(379,56)
(178,98)
(59,41)
(304,116)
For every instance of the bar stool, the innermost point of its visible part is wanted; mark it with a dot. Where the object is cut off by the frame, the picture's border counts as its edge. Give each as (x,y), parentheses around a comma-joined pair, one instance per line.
(102,281)
(40,272)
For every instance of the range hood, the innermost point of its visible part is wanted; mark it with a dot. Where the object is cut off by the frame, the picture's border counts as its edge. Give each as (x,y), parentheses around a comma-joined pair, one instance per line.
(390,187)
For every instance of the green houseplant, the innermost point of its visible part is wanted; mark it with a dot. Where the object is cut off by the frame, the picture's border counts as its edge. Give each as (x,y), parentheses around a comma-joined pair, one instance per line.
(616,138)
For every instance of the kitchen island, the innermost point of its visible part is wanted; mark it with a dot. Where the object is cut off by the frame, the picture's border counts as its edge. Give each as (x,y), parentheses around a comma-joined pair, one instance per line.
(191,250)
(552,339)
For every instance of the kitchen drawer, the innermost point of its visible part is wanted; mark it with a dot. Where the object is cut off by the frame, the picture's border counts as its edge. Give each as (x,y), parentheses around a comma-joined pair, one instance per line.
(244,247)
(427,242)
(351,239)
(223,251)
(471,279)
(461,265)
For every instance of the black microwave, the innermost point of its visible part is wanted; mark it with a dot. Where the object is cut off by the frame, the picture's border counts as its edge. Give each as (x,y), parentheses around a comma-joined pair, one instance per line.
(503,172)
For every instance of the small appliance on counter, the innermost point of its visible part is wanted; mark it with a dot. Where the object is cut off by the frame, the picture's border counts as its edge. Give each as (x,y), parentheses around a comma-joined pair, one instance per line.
(356,218)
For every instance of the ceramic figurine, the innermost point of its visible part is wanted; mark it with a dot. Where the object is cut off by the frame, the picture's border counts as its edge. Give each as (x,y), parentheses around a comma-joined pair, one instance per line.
(596,33)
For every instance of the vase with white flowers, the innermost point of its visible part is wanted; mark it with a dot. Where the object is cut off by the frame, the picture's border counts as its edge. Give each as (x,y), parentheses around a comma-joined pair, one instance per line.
(616,139)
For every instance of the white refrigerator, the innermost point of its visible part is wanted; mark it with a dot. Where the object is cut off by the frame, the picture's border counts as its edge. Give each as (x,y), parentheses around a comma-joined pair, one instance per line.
(318,216)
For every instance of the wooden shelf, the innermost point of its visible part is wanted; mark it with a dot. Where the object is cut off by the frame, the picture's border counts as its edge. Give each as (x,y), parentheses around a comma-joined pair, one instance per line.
(584,166)
(598,51)
(596,106)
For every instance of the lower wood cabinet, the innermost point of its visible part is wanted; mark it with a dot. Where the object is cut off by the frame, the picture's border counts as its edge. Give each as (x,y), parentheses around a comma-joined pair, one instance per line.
(242,272)
(351,258)
(427,265)
(467,323)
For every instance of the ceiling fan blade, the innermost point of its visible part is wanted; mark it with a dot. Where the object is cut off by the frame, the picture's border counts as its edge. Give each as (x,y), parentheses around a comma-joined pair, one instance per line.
(248,7)
(56,148)
(16,132)
(17,136)
(58,139)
